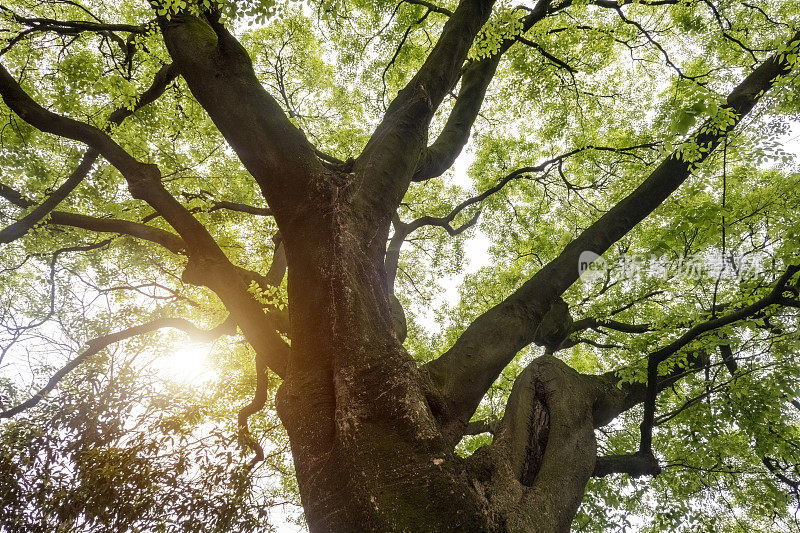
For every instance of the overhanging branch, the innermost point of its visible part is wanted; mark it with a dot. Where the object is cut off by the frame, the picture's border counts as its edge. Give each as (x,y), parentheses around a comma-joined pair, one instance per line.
(162,79)
(168,240)
(208,265)
(658,356)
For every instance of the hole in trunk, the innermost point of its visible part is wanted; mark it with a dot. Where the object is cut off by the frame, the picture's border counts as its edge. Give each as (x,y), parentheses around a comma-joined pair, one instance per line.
(538,435)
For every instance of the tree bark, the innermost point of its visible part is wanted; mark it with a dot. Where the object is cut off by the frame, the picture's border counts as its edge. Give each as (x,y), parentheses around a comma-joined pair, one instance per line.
(368,453)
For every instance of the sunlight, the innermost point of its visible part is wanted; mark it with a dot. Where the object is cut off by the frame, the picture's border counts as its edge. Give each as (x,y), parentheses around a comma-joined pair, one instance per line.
(188,363)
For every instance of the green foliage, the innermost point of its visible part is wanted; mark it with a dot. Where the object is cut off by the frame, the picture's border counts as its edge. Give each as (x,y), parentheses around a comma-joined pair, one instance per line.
(506,24)
(128,451)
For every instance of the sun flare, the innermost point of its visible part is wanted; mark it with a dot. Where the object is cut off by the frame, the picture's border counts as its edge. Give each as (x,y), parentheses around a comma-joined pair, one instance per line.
(187,363)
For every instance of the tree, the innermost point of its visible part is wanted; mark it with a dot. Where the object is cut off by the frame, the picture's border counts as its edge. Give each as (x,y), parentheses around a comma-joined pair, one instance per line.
(305,142)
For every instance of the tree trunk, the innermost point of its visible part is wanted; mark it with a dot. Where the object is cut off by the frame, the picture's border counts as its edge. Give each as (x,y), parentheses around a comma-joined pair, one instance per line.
(368,449)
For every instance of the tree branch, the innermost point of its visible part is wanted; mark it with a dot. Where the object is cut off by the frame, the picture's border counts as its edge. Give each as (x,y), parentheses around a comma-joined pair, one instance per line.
(220,75)
(217,205)
(20,227)
(168,240)
(208,265)
(161,80)
(635,465)
(595,323)
(617,397)
(477,76)
(433,7)
(70,27)
(256,404)
(143,179)
(655,358)
(389,160)
(550,57)
(614,4)
(174,244)
(464,373)
(403,230)
(444,151)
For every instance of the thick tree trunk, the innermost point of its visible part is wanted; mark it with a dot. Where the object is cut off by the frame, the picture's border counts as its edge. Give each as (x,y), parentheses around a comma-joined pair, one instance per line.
(369,452)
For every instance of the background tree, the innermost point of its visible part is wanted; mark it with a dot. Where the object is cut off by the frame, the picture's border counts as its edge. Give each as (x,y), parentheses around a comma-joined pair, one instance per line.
(295,181)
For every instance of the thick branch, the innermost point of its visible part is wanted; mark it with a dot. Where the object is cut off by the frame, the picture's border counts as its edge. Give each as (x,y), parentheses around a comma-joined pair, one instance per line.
(168,240)
(391,155)
(467,370)
(16,230)
(477,76)
(441,155)
(220,75)
(635,465)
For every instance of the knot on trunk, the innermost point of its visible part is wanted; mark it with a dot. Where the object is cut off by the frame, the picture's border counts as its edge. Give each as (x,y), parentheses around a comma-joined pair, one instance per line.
(544,445)
(554,327)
